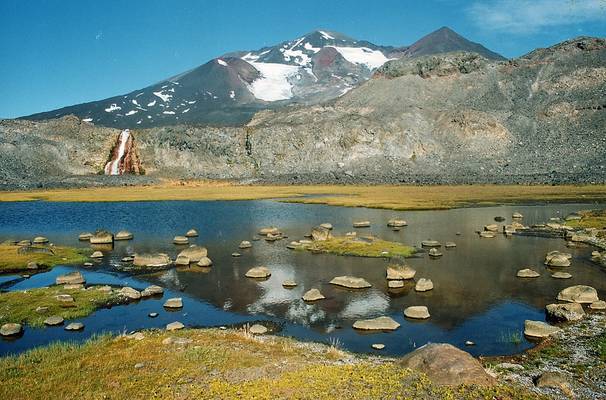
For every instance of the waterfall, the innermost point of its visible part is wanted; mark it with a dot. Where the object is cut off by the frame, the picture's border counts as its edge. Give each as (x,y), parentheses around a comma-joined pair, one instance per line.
(113,166)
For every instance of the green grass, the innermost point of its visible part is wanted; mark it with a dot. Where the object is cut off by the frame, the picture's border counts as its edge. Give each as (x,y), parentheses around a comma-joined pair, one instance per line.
(12,261)
(511,336)
(21,306)
(346,246)
(218,364)
(599,344)
(589,219)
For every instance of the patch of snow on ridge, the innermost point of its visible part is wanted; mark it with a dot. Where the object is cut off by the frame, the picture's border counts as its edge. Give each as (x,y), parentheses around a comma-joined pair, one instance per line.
(250,57)
(221,62)
(232,94)
(153,103)
(87,120)
(273,84)
(165,97)
(326,35)
(131,112)
(362,55)
(113,107)
(309,47)
(168,112)
(135,103)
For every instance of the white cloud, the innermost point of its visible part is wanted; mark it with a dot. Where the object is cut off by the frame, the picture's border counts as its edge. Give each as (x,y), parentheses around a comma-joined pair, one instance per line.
(528,16)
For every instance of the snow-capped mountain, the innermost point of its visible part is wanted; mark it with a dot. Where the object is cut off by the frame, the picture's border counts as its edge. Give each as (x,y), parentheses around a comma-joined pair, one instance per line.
(315,67)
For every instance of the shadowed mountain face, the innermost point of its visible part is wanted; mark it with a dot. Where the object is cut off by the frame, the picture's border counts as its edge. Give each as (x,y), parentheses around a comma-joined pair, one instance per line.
(229,90)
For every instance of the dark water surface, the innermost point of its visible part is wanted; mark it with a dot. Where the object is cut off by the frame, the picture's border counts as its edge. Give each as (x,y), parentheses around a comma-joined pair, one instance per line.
(476,295)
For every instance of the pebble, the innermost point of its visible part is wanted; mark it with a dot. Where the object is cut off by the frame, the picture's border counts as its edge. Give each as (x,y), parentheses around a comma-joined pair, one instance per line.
(377,346)
(152,314)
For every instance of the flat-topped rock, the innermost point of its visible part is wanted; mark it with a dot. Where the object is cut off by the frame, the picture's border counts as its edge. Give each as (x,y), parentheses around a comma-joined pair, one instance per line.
(174,326)
(361,224)
(96,254)
(85,236)
(72,278)
(175,302)
(326,225)
(257,329)
(320,233)
(491,228)
(101,237)
(579,294)
(235,254)
(313,295)
(74,326)
(40,240)
(527,273)
(65,298)
(129,293)
(396,223)
(191,233)
(123,235)
(598,305)
(152,290)
(434,253)
(205,262)
(557,260)
(351,282)
(561,275)
(416,312)
(450,245)
(539,329)
(155,260)
(11,329)
(180,240)
(565,312)
(400,272)
(487,235)
(517,215)
(431,243)
(54,320)
(194,252)
(377,346)
(258,272)
(444,364)
(182,260)
(394,284)
(377,324)
(271,230)
(289,283)
(423,285)
(245,244)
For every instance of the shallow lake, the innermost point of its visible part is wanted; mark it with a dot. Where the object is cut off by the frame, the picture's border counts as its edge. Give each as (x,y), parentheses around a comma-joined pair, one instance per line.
(476,294)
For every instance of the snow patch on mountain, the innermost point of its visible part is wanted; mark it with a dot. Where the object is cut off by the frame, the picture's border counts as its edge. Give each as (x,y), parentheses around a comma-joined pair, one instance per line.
(164,96)
(221,62)
(326,35)
(362,55)
(273,85)
(113,107)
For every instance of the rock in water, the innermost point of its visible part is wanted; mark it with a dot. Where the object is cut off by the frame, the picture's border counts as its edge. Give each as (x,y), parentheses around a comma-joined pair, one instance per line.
(85,236)
(40,240)
(289,283)
(393,284)
(491,228)
(561,275)
(313,295)
(123,235)
(102,237)
(326,225)
(180,240)
(377,346)
(579,294)
(245,244)
(205,262)
(434,253)
(417,312)
(400,272)
(54,320)
(377,324)
(361,224)
(195,253)
(74,326)
(396,223)
(565,312)
(517,215)
(11,329)
(182,260)
(175,302)
(423,285)
(152,290)
(539,329)
(175,326)
(320,233)
(527,273)
(431,243)
(191,233)
(258,272)
(96,254)
(444,364)
(156,260)
(130,293)
(351,282)
(71,279)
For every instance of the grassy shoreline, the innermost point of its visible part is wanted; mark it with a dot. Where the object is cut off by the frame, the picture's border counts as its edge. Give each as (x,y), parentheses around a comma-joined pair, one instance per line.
(396,197)
(11,261)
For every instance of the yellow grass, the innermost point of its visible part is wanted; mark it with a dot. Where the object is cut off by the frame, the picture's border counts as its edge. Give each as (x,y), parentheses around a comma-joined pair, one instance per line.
(13,261)
(402,197)
(347,246)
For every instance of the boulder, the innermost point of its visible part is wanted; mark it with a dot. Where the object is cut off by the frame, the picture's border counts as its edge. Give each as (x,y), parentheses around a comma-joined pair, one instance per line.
(40,240)
(258,272)
(565,312)
(54,320)
(96,254)
(444,364)
(175,302)
(26,242)
(71,278)
(180,240)
(557,260)
(32,265)
(127,259)
(396,223)
(129,293)
(377,346)
(598,305)
(400,272)
(555,380)
(517,215)
(579,294)
(152,290)
(74,326)
(313,295)
(65,298)
(319,233)
(450,245)
(191,233)
(527,273)
(235,254)
(205,262)
(153,315)
(174,326)
(123,235)
(431,243)
(351,282)
(194,252)
(395,284)
(487,235)
(289,283)
(182,260)
(11,329)
(491,228)
(377,324)
(561,275)
(326,225)
(151,260)
(539,329)
(245,244)
(272,230)
(85,236)
(416,312)
(257,329)
(361,224)
(102,237)
(423,285)
(434,253)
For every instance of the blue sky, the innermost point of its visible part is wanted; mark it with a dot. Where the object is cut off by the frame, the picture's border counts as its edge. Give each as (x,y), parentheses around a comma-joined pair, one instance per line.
(64,52)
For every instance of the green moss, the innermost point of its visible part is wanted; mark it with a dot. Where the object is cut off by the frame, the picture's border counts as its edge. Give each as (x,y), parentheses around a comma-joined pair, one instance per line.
(589,219)
(598,343)
(13,261)
(351,246)
(21,306)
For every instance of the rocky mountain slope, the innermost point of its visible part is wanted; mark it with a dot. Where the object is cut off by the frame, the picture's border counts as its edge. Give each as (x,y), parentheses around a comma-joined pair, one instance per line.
(228,90)
(457,117)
